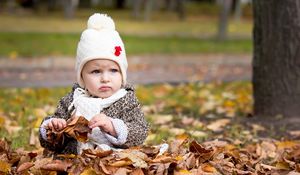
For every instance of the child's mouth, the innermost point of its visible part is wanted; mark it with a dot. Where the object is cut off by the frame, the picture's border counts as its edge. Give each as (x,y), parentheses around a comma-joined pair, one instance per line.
(104,88)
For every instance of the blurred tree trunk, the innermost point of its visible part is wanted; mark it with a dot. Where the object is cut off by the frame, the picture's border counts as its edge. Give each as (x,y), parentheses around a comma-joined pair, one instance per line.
(69,8)
(148,9)
(180,9)
(11,6)
(276,61)
(238,10)
(94,3)
(137,8)
(51,5)
(178,6)
(223,18)
(146,5)
(120,4)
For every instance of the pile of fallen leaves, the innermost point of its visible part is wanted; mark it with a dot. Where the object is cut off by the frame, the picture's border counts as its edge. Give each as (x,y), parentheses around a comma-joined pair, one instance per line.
(181,156)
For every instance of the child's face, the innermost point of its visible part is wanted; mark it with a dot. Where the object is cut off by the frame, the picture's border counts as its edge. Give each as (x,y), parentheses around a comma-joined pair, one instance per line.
(102,77)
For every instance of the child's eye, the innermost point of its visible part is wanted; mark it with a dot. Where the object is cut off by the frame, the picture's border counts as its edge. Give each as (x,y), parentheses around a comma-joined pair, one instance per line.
(95,72)
(114,70)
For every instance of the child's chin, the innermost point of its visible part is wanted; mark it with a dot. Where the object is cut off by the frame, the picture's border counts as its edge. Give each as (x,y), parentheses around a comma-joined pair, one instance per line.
(104,95)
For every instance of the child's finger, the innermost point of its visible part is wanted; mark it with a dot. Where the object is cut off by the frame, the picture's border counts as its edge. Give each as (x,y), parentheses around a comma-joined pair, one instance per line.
(59,126)
(94,124)
(93,120)
(50,125)
(54,123)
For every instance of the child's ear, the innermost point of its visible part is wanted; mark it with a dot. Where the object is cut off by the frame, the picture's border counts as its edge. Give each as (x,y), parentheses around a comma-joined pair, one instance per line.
(82,81)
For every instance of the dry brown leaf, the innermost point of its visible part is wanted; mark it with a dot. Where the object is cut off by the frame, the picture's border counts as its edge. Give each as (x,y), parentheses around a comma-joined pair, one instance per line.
(184,172)
(54,137)
(32,138)
(76,169)
(214,143)
(287,144)
(150,150)
(295,154)
(103,168)
(121,163)
(176,145)
(88,171)
(122,171)
(40,162)
(57,165)
(208,168)
(78,128)
(191,161)
(266,149)
(162,159)
(162,119)
(218,125)
(187,120)
(257,127)
(11,126)
(241,172)
(24,166)
(137,171)
(157,169)
(137,157)
(96,153)
(67,156)
(195,147)
(282,166)
(4,146)
(267,167)
(4,167)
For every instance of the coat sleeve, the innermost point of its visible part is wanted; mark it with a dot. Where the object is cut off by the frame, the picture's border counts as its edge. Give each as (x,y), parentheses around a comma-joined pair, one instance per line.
(136,124)
(61,112)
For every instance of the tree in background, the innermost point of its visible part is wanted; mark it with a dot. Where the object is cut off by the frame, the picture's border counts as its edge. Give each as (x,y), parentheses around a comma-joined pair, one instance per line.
(276,61)
(149,6)
(69,7)
(120,4)
(225,6)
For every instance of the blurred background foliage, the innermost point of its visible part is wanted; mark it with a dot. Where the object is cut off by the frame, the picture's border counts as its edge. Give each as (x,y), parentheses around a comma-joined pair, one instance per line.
(34,28)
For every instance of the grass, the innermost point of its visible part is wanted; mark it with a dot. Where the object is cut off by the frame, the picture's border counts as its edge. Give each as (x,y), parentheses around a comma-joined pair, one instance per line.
(57,44)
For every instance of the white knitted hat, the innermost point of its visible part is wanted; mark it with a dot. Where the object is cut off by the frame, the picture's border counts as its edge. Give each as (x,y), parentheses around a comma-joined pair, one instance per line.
(100,41)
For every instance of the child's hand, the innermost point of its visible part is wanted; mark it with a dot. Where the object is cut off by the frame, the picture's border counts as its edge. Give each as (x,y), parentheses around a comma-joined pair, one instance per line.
(103,122)
(57,124)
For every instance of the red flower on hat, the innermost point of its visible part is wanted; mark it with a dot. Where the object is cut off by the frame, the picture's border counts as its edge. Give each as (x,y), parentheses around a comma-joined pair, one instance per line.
(118,50)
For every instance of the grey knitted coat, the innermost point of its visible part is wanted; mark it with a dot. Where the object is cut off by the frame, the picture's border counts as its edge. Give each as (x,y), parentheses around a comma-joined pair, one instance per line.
(127,109)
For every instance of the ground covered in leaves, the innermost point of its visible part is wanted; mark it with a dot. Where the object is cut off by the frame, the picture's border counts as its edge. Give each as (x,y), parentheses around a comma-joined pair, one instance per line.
(178,157)
(195,129)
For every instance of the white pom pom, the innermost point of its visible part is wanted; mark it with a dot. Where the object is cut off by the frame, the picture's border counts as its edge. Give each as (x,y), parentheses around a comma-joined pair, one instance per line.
(100,21)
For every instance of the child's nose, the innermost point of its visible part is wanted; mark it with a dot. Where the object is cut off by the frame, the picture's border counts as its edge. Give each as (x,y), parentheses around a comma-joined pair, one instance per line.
(105,77)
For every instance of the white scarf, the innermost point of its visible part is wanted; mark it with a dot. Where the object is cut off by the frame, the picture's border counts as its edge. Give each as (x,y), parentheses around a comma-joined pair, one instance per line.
(88,106)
